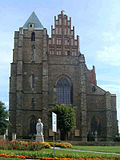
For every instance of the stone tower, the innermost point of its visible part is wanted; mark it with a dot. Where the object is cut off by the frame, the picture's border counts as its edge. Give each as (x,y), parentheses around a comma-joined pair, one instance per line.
(51,70)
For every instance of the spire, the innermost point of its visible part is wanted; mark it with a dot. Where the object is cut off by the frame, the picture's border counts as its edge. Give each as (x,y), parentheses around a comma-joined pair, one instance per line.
(33,19)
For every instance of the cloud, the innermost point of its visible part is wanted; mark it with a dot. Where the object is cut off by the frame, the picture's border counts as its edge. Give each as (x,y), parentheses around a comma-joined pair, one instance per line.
(110,53)
(110,39)
(111,87)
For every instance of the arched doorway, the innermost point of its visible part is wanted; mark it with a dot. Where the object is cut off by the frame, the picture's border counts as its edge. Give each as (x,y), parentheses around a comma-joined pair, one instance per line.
(95,129)
(32,126)
(94,125)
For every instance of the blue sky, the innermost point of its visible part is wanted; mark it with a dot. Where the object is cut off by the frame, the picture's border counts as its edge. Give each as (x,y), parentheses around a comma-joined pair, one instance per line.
(97,23)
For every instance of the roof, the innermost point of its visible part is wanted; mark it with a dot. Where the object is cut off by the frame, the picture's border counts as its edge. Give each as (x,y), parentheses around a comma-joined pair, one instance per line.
(33,19)
(113,95)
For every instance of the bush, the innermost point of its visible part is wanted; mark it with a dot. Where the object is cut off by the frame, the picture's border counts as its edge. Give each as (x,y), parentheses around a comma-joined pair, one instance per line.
(116,138)
(46,145)
(62,145)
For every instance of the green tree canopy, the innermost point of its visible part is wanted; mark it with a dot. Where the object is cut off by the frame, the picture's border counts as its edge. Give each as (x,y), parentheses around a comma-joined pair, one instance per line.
(3,118)
(66,119)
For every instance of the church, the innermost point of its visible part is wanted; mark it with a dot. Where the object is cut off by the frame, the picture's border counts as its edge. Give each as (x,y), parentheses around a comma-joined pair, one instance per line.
(49,70)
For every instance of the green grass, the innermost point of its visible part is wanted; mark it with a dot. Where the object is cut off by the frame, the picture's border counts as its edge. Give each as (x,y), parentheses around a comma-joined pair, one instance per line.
(111,149)
(58,153)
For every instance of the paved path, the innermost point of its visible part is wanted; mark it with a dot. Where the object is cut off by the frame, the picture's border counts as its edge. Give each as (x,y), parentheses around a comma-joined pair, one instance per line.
(57,148)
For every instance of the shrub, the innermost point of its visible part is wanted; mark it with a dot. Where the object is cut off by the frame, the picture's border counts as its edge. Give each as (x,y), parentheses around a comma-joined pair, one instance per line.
(117,137)
(63,144)
(46,145)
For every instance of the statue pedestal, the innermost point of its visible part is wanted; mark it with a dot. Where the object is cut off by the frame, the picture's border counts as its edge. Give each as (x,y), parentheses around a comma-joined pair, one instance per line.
(40,138)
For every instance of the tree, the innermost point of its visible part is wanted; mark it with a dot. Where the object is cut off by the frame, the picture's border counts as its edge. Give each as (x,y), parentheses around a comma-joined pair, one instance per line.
(66,119)
(3,118)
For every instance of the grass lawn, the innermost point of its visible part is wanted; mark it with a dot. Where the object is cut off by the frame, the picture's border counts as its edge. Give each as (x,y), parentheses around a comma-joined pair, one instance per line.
(114,149)
(60,153)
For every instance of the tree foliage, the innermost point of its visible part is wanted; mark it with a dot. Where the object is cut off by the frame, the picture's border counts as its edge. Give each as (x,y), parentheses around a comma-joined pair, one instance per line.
(66,119)
(117,137)
(3,118)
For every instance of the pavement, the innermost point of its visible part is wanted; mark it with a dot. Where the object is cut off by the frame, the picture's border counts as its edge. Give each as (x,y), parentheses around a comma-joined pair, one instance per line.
(86,151)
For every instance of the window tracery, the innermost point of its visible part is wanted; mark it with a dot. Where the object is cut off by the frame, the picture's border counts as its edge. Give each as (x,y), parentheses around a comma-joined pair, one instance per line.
(63,91)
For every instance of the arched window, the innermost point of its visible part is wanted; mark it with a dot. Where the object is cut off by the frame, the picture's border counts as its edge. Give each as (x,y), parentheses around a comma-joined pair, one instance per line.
(32,125)
(33,102)
(33,52)
(33,36)
(64,92)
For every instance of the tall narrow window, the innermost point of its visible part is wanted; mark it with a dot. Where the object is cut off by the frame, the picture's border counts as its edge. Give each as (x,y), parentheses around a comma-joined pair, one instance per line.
(33,102)
(33,36)
(33,80)
(68,53)
(33,53)
(64,92)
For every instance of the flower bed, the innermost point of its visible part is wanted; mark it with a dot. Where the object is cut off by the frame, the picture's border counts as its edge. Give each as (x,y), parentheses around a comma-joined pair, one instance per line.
(50,158)
(22,145)
(31,146)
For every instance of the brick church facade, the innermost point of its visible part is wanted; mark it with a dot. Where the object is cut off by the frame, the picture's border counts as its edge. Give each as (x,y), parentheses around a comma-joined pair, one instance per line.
(51,70)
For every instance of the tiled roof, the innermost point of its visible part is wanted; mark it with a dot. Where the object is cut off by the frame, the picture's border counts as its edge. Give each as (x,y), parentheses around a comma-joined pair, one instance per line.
(113,95)
(33,19)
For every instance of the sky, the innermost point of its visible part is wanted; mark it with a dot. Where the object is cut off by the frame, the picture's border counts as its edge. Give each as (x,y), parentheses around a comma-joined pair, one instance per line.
(97,23)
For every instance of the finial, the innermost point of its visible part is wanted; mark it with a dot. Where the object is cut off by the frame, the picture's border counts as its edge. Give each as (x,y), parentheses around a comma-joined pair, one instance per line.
(62,12)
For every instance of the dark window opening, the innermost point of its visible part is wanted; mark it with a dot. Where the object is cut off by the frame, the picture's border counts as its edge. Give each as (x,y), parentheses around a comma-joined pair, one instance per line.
(33,52)
(30,25)
(64,92)
(68,53)
(93,89)
(33,102)
(33,80)
(95,126)
(33,36)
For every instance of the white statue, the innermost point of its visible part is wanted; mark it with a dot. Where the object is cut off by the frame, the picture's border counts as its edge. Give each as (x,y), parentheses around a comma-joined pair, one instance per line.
(39,128)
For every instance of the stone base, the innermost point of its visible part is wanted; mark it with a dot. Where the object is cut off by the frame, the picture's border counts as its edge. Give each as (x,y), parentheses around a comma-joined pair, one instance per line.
(40,138)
